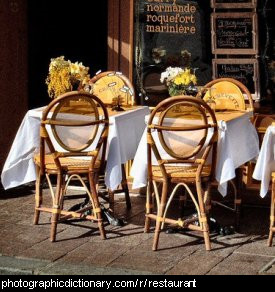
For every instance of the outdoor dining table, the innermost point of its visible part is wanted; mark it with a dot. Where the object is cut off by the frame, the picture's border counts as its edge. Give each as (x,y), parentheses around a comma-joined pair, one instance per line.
(125,131)
(238,143)
(266,161)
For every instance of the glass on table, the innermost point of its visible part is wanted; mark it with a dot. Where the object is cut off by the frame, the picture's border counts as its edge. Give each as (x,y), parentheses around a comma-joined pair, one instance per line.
(210,100)
(212,104)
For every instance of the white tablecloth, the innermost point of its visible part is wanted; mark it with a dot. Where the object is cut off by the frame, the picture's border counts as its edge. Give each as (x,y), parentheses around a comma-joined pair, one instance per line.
(238,143)
(125,131)
(266,161)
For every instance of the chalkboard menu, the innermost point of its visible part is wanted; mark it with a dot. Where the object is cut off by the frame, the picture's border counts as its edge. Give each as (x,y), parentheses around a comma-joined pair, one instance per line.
(169,33)
(244,70)
(234,4)
(234,33)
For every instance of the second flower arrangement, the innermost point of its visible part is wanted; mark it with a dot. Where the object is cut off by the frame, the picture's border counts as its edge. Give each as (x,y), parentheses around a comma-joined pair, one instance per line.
(180,80)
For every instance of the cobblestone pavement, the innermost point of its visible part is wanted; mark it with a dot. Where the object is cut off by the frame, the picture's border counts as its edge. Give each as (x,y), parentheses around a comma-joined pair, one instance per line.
(26,249)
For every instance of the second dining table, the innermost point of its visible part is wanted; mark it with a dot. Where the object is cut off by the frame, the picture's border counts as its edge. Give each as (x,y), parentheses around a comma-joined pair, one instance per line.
(238,143)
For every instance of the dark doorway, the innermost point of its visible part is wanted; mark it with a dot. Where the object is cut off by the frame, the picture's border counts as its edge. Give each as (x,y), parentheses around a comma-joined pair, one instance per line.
(64,28)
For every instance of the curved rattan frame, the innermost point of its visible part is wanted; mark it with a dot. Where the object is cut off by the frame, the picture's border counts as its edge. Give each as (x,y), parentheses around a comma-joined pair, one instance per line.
(202,199)
(120,75)
(79,124)
(241,86)
(201,127)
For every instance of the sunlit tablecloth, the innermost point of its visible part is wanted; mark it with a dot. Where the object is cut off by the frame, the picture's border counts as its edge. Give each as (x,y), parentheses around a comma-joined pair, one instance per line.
(125,131)
(238,143)
(266,161)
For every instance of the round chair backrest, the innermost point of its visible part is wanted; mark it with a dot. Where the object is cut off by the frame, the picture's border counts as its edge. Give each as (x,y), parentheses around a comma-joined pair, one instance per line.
(111,85)
(261,123)
(74,121)
(183,124)
(228,94)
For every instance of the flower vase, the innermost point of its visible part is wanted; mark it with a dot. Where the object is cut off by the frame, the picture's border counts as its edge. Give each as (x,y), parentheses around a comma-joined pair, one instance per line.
(183,90)
(175,92)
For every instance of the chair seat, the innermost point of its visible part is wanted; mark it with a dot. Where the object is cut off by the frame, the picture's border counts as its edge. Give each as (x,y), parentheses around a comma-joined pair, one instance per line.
(181,171)
(68,164)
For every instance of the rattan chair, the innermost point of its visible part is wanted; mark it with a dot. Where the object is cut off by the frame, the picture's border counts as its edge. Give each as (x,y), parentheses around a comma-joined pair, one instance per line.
(109,86)
(228,94)
(272,211)
(181,133)
(73,137)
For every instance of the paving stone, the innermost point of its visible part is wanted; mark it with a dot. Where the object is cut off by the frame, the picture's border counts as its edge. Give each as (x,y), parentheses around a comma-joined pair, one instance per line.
(44,219)
(18,238)
(95,253)
(67,240)
(240,264)
(33,234)
(129,235)
(13,248)
(257,246)
(198,263)
(171,250)
(172,246)
(225,245)
(143,262)
(8,218)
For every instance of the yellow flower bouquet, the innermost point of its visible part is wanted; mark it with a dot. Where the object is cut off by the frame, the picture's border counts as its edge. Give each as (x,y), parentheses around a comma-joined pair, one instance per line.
(65,76)
(179,81)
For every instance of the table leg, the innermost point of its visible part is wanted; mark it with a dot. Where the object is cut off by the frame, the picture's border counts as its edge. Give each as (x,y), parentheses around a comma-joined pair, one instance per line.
(238,198)
(125,188)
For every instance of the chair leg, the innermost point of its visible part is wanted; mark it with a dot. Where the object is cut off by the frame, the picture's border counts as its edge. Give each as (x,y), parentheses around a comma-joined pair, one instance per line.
(207,200)
(206,236)
(272,215)
(149,208)
(94,198)
(38,197)
(125,187)
(160,214)
(56,207)
(203,216)
(54,224)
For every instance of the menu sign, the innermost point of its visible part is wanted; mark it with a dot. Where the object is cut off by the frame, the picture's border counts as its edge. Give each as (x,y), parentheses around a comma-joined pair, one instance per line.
(244,70)
(169,33)
(234,4)
(234,33)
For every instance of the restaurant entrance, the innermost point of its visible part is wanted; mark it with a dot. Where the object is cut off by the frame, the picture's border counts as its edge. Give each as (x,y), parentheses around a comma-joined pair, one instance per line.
(64,28)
